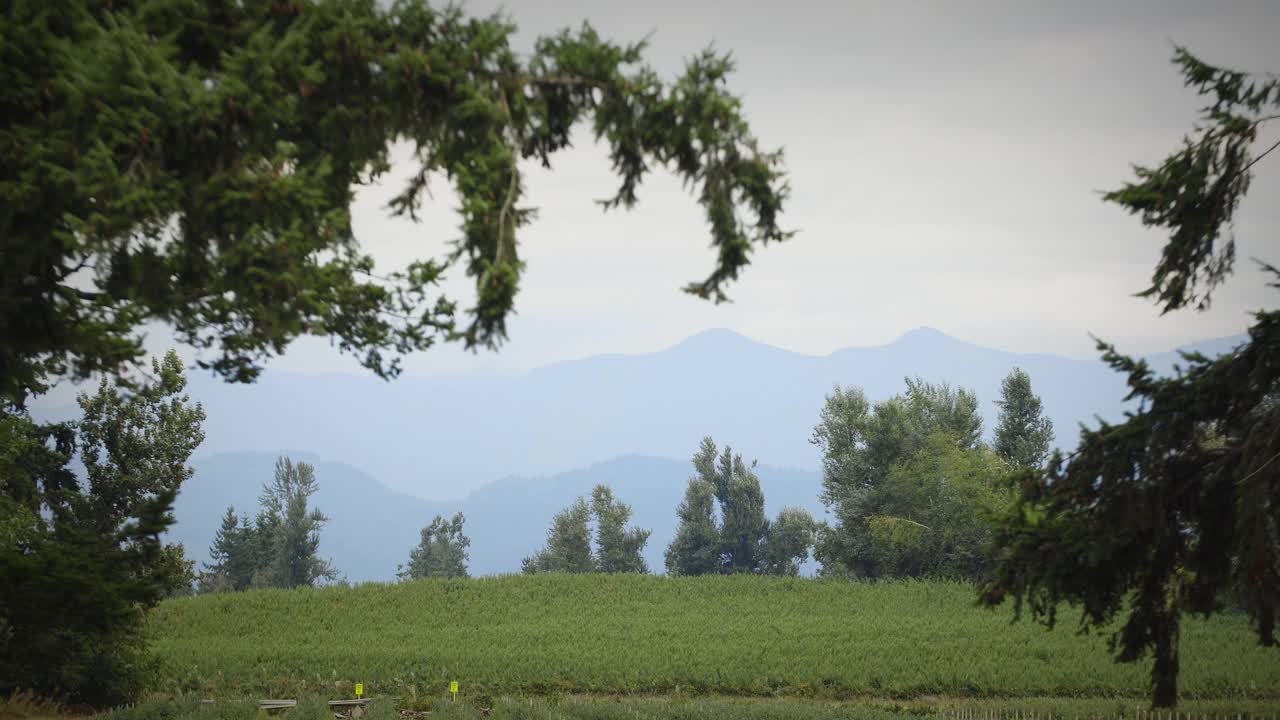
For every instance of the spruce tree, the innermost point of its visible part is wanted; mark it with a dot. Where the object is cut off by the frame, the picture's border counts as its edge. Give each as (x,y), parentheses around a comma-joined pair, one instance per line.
(1023,434)
(207,166)
(233,562)
(1163,514)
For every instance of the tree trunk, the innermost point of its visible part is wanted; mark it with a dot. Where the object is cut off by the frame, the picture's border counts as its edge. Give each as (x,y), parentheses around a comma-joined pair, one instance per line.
(1164,674)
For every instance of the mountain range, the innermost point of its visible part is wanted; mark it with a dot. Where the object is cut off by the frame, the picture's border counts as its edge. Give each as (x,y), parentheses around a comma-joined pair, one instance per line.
(628,420)
(442,437)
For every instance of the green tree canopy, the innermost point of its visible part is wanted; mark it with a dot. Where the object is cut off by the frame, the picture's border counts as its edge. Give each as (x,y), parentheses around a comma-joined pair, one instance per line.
(295,527)
(1023,433)
(860,443)
(81,559)
(194,163)
(232,554)
(569,548)
(1162,514)
(722,527)
(931,515)
(618,547)
(281,547)
(441,552)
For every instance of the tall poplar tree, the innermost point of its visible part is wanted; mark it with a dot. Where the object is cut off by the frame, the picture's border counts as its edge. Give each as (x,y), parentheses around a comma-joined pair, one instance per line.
(618,548)
(722,527)
(294,534)
(569,548)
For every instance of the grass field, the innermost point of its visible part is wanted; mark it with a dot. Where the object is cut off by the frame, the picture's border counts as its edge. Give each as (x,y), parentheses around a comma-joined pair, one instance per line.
(556,636)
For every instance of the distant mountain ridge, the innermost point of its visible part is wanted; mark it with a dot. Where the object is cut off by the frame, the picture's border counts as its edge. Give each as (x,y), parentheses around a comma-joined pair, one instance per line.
(445,437)
(631,421)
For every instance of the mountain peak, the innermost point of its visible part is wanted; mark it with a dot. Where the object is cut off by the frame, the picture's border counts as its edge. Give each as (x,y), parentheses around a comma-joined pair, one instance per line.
(715,338)
(922,335)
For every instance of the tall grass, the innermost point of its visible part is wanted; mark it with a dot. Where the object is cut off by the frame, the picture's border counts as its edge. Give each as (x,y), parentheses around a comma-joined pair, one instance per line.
(749,636)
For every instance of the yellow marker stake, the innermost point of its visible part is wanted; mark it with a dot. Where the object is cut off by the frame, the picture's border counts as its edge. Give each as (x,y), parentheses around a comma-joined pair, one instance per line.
(453,689)
(359,690)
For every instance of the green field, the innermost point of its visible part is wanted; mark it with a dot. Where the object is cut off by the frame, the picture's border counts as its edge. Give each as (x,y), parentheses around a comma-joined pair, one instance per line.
(560,636)
(650,708)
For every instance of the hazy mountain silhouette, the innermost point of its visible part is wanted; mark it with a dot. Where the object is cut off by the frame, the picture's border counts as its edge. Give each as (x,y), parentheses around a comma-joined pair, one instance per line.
(444,437)
(619,417)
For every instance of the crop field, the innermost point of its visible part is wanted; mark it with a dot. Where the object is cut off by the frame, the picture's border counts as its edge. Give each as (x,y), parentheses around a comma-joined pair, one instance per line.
(557,636)
(702,708)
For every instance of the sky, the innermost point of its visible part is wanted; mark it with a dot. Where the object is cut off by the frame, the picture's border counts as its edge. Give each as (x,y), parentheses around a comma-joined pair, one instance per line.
(946,161)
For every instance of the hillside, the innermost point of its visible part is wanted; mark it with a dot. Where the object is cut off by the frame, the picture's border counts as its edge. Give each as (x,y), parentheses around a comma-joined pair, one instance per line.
(447,436)
(372,527)
(740,635)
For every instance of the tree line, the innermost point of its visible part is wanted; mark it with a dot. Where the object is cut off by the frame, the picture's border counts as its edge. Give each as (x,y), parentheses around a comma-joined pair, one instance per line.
(218,202)
(911,484)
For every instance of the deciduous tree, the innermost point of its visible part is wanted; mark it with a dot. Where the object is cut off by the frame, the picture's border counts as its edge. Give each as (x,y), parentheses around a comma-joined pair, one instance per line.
(81,559)
(294,534)
(568,547)
(861,442)
(441,551)
(931,515)
(617,548)
(722,524)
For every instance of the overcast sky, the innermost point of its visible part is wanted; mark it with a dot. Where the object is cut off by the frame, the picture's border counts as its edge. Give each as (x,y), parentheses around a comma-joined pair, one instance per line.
(945,163)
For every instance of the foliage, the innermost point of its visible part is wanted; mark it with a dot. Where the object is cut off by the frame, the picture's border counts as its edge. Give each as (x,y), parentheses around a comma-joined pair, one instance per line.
(642,634)
(568,550)
(1161,515)
(234,563)
(738,538)
(281,548)
(1023,433)
(177,572)
(194,163)
(931,516)
(441,552)
(81,560)
(619,548)
(295,547)
(860,443)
